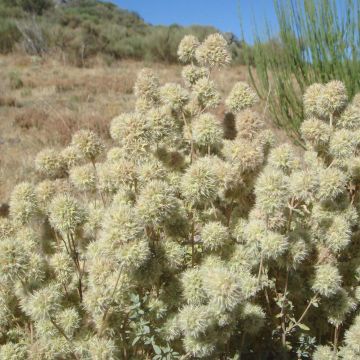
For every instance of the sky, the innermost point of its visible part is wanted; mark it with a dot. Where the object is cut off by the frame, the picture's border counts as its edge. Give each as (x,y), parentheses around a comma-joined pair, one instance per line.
(223,14)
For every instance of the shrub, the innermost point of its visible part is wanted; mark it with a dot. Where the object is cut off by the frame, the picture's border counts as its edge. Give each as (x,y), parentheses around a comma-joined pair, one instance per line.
(316,43)
(181,242)
(9,35)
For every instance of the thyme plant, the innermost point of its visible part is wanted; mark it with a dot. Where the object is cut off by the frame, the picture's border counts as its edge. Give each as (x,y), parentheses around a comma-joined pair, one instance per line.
(181,242)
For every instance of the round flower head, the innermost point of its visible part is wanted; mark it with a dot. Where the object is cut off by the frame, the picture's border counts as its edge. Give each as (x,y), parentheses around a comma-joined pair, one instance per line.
(174,95)
(313,162)
(352,336)
(332,183)
(214,235)
(271,191)
(83,177)
(252,318)
(356,100)
(63,267)
(213,52)
(324,352)
(171,329)
(229,176)
(327,280)
(350,118)
(266,139)
(50,163)
(93,224)
(23,204)
(198,348)
(147,86)
(315,132)
(101,348)
(192,286)
(118,173)
(353,166)
(338,235)
(244,154)
(45,191)
(332,99)
(162,125)
(187,47)
(71,156)
(302,185)
(346,353)
(12,351)
(143,105)
(14,259)
(151,170)
(115,154)
(174,254)
(310,99)
(206,93)
(88,143)
(248,124)
(121,225)
(7,228)
(43,303)
(242,96)
(207,131)
(69,321)
(133,255)
(105,176)
(194,320)
(273,244)
(66,214)
(156,203)
(193,107)
(338,306)
(199,184)
(343,144)
(254,231)
(131,132)
(223,287)
(298,249)
(283,158)
(192,73)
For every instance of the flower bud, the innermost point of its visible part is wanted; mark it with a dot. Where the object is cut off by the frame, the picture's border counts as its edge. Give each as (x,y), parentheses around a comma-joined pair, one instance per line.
(327,280)
(213,52)
(147,85)
(187,47)
(88,144)
(50,163)
(241,96)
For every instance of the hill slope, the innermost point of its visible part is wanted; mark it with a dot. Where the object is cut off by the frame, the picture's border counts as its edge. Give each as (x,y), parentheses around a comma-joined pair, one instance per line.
(80,29)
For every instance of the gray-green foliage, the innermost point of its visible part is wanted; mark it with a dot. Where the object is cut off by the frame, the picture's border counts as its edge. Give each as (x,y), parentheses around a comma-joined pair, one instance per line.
(317,41)
(177,241)
(83,29)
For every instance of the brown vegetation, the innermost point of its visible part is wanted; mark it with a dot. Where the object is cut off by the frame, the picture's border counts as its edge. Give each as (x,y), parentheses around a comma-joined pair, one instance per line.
(54,100)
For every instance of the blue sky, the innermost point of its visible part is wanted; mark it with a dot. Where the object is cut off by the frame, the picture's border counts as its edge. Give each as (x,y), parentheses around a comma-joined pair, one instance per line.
(223,14)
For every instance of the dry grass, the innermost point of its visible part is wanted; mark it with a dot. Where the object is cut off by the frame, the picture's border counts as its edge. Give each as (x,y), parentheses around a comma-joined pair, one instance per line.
(55,100)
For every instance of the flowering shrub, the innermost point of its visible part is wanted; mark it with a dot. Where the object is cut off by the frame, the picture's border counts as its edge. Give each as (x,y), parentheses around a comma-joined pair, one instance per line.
(181,242)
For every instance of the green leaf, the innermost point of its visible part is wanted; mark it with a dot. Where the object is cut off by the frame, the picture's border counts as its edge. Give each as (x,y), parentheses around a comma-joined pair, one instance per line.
(303,327)
(157,349)
(135,340)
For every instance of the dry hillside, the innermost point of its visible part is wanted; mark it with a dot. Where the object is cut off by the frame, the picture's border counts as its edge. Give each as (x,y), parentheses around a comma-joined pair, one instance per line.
(42,102)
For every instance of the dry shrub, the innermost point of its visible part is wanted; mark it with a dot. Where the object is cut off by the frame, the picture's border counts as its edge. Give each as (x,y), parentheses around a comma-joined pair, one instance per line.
(31,117)
(8,101)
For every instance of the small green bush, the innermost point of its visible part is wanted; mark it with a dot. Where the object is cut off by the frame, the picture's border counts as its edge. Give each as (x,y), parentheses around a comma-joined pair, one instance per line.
(9,35)
(15,80)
